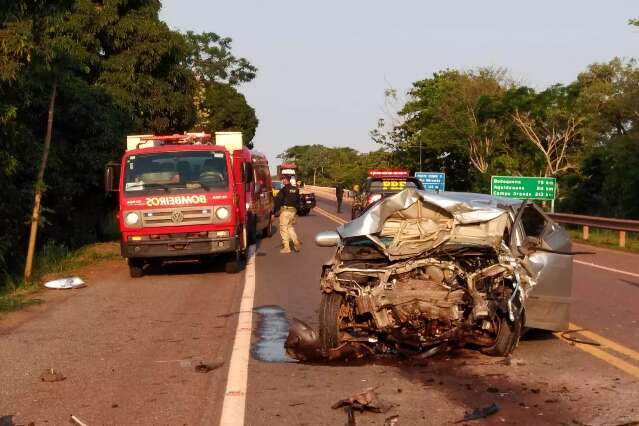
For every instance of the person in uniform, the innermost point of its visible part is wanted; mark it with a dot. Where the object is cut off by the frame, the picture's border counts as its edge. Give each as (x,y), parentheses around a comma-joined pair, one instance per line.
(287,201)
(339,194)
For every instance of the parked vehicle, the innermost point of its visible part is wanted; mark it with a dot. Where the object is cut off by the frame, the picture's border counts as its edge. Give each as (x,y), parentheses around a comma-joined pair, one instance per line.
(186,196)
(379,184)
(420,271)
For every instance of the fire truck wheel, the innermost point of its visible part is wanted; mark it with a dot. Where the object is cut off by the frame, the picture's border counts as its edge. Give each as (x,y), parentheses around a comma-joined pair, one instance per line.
(136,268)
(252,230)
(234,264)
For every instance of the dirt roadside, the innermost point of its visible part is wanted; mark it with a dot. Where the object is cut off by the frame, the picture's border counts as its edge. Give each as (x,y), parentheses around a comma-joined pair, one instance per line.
(127,349)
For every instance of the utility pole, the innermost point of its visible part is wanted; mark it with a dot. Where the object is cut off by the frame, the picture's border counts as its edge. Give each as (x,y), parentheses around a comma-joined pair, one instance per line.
(39,187)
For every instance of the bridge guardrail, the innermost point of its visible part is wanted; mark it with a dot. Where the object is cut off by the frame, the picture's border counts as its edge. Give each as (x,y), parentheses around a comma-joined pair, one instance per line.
(623,226)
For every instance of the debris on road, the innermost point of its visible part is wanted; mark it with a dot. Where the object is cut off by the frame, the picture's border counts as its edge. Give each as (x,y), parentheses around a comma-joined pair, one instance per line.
(304,345)
(75,420)
(480,413)
(567,335)
(392,420)
(208,367)
(367,400)
(52,375)
(65,283)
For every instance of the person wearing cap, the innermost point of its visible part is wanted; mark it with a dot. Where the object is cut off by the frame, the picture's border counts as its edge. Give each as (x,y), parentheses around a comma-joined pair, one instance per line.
(339,194)
(287,201)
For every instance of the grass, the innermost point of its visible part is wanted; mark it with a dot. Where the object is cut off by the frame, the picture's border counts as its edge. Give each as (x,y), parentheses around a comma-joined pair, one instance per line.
(53,261)
(604,238)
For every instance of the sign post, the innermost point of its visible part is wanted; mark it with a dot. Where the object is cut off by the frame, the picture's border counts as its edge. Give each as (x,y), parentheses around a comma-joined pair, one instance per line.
(524,187)
(432,181)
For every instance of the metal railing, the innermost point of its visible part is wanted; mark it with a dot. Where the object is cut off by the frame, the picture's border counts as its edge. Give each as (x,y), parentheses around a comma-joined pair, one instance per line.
(623,226)
(586,222)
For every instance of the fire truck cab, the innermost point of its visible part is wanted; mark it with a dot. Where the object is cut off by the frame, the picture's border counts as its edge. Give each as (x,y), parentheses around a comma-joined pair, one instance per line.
(188,196)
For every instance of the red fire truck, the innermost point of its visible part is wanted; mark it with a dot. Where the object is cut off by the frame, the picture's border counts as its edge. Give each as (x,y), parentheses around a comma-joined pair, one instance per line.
(189,196)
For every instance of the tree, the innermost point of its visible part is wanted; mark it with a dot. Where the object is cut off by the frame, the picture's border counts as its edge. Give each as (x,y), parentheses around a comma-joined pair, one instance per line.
(609,98)
(553,126)
(217,73)
(117,69)
(450,118)
(210,58)
(226,109)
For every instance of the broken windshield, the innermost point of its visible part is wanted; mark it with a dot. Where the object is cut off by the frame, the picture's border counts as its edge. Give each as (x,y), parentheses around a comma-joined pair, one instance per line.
(197,171)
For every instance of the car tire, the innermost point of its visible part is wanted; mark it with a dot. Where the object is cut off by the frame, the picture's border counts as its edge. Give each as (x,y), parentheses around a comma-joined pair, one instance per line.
(136,268)
(507,337)
(329,320)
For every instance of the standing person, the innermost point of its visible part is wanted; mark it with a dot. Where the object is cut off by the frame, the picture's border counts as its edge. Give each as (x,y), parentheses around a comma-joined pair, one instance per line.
(286,202)
(339,193)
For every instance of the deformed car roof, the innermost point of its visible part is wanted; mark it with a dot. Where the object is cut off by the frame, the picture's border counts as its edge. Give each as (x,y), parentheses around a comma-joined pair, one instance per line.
(465,207)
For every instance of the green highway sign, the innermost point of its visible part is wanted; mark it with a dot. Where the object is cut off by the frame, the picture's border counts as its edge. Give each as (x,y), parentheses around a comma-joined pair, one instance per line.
(524,187)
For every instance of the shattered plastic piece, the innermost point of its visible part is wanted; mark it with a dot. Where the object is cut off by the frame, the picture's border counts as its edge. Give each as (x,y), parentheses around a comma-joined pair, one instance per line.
(75,420)
(480,413)
(207,367)
(392,420)
(303,344)
(66,283)
(52,375)
(367,400)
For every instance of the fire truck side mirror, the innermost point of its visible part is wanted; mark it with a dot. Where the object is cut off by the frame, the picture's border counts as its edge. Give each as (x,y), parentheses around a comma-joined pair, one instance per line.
(111,178)
(247,172)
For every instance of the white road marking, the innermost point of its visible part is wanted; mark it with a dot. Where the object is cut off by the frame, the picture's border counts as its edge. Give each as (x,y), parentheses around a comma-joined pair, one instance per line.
(605,268)
(234,407)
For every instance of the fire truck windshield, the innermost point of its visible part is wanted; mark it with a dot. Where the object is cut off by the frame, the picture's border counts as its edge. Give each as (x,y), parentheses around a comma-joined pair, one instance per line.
(195,171)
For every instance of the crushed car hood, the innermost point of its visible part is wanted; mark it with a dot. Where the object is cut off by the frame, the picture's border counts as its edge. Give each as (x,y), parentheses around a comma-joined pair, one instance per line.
(414,221)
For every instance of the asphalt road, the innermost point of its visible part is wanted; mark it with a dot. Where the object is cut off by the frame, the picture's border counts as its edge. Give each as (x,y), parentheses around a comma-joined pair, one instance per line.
(129,348)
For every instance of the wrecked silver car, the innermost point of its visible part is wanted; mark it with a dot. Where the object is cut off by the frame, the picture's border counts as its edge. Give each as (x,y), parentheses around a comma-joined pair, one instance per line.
(420,271)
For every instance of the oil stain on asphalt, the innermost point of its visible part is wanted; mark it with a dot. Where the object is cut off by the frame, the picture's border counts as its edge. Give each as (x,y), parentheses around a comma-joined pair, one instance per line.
(271,333)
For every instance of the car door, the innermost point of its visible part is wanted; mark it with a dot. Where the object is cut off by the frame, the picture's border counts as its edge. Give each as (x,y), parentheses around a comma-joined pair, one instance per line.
(548,304)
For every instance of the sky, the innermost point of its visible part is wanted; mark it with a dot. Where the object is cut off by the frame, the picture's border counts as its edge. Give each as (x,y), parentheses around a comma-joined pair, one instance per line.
(323,66)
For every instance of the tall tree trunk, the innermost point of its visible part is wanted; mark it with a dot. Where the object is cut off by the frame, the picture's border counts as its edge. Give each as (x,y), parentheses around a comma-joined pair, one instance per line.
(35,217)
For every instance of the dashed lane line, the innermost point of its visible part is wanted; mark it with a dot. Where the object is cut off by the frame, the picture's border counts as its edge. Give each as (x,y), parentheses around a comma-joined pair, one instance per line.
(234,407)
(597,352)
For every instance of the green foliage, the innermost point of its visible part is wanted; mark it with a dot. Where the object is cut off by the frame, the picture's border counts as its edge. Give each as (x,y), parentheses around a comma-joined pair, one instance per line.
(475,124)
(119,70)
(329,166)
(225,109)
(209,56)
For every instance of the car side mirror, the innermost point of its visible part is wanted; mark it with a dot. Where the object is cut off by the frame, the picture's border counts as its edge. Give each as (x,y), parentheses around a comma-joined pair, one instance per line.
(111,180)
(327,239)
